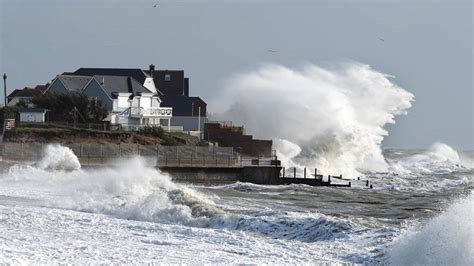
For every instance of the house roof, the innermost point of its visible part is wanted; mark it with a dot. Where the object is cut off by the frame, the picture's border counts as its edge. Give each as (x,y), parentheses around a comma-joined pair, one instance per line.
(27,92)
(136,73)
(114,84)
(174,86)
(74,83)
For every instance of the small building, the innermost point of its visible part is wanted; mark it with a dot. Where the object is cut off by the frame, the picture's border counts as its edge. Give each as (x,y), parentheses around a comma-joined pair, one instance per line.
(33,115)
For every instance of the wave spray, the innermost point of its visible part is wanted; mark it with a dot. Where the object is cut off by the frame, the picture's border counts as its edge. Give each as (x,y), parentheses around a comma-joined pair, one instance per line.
(332,119)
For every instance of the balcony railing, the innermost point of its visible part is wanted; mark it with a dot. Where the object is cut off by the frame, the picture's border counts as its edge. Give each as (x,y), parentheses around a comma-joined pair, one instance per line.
(151,112)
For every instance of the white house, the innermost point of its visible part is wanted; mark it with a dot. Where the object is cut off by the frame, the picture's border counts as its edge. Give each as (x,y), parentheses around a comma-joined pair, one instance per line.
(131,105)
(172,86)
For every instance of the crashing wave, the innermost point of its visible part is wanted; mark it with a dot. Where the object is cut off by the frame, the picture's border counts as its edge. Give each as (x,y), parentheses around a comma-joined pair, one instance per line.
(439,158)
(448,239)
(335,117)
(133,190)
(58,157)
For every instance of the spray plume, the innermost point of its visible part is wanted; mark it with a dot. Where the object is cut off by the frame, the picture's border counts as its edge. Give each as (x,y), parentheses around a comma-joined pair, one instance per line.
(332,119)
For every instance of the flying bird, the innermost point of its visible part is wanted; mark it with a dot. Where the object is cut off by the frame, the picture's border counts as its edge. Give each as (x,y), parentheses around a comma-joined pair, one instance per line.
(381,39)
(155,5)
(272,51)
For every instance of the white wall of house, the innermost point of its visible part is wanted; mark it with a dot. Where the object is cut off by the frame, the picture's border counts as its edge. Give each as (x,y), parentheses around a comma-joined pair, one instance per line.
(33,117)
(16,100)
(150,84)
(146,100)
(121,102)
(155,102)
(135,102)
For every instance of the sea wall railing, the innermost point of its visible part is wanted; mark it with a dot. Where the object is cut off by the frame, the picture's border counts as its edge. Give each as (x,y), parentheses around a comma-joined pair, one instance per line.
(102,153)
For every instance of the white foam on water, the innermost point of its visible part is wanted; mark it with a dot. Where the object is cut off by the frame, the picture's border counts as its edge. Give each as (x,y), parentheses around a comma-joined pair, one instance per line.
(439,158)
(130,189)
(336,116)
(448,239)
(58,157)
(133,190)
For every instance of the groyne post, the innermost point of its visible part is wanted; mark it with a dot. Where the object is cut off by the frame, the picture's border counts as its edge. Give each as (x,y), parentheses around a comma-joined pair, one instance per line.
(305,172)
(367,183)
(283,171)
(294,172)
(101,154)
(329,179)
(157,153)
(315,173)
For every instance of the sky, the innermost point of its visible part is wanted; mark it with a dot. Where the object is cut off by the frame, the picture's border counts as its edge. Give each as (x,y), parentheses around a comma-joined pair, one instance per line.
(427,47)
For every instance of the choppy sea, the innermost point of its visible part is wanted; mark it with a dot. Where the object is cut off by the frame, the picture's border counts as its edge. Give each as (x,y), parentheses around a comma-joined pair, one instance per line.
(421,212)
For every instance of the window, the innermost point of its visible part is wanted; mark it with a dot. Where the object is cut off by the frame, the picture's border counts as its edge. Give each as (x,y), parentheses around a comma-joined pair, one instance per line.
(167,77)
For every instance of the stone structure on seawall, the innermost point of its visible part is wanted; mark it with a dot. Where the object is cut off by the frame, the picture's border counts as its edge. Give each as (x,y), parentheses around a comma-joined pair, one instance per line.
(227,135)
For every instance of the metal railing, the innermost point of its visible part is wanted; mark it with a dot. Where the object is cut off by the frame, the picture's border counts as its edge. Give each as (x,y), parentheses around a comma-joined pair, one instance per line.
(101,153)
(151,112)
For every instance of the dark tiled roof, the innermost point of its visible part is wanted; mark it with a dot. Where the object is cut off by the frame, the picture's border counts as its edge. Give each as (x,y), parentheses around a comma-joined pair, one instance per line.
(136,73)
(182,105)
(26,92)
(115,84)
(41,88)
(74,83)
(174,86)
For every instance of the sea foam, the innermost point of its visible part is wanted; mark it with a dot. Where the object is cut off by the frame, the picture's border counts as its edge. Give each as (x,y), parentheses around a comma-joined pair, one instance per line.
(132,189)
(448,239)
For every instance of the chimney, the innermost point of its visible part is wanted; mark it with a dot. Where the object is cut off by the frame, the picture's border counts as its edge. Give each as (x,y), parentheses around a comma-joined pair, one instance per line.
(152,68)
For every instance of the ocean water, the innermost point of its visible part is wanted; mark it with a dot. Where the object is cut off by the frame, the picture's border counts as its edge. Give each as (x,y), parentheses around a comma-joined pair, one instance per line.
(420,212)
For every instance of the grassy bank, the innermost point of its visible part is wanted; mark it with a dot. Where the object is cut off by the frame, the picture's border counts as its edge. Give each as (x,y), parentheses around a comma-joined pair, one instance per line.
(63,134)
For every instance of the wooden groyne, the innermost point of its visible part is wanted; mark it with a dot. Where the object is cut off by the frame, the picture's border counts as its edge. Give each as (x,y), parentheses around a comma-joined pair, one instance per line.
(311,179)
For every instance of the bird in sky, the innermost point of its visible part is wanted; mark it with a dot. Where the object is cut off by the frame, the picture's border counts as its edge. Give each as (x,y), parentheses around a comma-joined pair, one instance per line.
(381,39)
(155,5)
(272,51)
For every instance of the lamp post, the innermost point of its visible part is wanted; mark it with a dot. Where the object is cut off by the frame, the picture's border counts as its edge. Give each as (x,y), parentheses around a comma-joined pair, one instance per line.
(5,88)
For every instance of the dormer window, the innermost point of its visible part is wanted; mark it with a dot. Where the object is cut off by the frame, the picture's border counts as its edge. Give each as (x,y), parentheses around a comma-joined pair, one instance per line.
(167,77)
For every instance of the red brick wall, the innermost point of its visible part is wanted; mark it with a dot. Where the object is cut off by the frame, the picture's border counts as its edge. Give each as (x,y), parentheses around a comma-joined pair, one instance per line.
(234,137)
